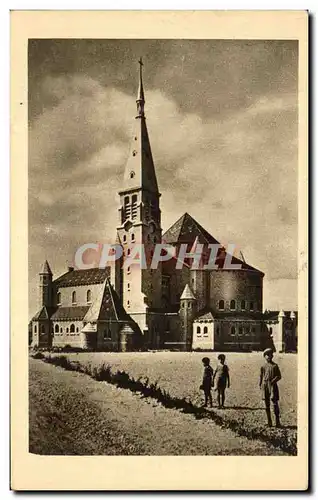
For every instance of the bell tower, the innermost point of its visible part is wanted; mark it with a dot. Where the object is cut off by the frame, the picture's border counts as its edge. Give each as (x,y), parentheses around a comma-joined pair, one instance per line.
(46,285)
(140,223)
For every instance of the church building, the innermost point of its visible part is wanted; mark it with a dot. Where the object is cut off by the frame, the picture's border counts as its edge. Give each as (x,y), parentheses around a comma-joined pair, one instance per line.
(120,308)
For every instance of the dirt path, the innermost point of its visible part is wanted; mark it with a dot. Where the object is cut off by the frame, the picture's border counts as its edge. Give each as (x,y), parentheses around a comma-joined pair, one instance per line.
(72,414)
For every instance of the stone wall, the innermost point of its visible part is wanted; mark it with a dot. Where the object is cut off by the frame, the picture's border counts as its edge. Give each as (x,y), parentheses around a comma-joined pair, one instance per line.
(81,294)
(238,285)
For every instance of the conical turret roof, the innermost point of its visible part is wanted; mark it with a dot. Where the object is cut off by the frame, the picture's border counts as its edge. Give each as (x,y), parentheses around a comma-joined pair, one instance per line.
(46,268)
(187,293)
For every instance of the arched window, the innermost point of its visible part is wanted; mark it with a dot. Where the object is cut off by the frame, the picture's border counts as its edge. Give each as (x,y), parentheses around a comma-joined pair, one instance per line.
(124,238)
(61,330)
(132,237)
(243,305)
(59,298)
(128,270)
(128,251)
(77,329)
(74,298)
(126,208)
(107,334)
(34,328)
(89,296)
(251,306)
(183,305)
(232,305)
(66,330)
(42,329)
(128,303)
(205,330)
(128,286)
(198,330)
(72,328)
(56,328)
(189,305)
(134,207)
(221,305)
(233,330)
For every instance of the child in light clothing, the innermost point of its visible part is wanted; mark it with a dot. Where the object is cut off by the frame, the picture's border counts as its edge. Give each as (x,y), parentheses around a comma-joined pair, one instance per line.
(221,379)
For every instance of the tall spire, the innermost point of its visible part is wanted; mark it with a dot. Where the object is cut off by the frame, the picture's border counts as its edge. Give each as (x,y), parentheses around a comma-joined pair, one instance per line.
(140,170)
(140,97)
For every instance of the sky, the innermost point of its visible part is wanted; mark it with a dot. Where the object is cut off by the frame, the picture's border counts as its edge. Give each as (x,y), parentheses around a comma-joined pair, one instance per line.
(222,118)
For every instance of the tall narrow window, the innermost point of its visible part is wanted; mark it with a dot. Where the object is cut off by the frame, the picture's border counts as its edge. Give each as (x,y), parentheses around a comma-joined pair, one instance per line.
(56,328)
(241,330)
(126,208)
(243,305)
(128,286)
(221,305)
(198,330)
(89,296)
(232,305)
(205,330)
(34,328)
(74,298)
(72,328)
(132,237)
(61,330)
(233,330)
(128,303)
(134,207)
(59,298)
(124,238)
(251,306)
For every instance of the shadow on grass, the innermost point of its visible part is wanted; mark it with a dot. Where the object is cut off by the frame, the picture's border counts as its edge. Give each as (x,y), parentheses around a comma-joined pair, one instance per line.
(280,438)
(240,408)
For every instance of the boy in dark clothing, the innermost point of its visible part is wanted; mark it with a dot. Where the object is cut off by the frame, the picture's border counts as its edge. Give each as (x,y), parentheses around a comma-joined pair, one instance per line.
(207,382)
(269,376)
(222,379)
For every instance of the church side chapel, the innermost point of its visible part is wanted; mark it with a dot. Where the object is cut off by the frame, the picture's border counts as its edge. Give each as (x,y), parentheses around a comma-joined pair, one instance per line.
(122,308)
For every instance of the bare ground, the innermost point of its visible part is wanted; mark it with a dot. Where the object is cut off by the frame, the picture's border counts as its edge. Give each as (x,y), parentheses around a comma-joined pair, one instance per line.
(72,414)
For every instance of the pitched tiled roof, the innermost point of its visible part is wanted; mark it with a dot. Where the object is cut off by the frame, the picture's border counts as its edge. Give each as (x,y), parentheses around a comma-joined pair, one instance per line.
(44,313)
(83,277)
(107,306)
(188,230)
(72,313)
(205,316)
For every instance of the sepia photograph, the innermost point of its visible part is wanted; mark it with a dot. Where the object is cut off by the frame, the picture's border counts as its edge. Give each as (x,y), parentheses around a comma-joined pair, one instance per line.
(163,247)
(128,154)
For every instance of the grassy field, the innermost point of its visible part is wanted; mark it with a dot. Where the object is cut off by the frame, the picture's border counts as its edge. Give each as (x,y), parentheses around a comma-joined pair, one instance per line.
(70,413)
(179,375)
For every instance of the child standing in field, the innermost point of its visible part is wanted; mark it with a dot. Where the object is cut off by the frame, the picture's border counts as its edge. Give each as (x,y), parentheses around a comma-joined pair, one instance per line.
(269,376)
(207,382)
(221,378)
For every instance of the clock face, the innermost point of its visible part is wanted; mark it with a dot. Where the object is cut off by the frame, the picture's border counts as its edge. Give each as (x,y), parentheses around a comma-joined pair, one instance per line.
(152,228)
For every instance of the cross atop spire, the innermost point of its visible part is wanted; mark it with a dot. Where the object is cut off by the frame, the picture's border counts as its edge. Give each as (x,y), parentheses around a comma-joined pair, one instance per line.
(140,97)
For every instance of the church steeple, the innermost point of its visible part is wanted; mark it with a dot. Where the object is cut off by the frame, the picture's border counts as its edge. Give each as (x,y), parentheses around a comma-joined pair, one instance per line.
(141,96)
(140,220)
(140,171)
